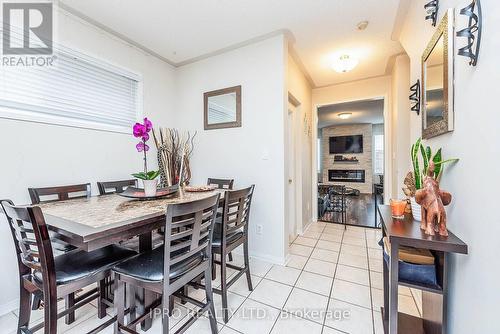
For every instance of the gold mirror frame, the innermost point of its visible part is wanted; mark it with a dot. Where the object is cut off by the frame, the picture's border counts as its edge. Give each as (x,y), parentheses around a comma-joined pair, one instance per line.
(235,124)
(446,30)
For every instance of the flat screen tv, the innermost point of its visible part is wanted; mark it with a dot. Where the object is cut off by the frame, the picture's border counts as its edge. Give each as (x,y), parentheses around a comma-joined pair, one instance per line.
(346,144)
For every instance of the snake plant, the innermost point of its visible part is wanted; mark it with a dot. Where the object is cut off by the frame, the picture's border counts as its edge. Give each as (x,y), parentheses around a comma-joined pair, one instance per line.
(426,153)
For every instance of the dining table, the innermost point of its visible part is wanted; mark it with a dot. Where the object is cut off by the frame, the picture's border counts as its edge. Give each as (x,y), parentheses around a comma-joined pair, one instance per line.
(98,221)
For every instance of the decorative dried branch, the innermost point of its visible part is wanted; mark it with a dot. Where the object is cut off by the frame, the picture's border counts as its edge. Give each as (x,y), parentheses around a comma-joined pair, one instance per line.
(174,149)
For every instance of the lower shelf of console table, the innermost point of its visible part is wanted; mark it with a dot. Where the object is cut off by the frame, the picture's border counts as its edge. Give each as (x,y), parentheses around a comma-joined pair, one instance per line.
(407,232)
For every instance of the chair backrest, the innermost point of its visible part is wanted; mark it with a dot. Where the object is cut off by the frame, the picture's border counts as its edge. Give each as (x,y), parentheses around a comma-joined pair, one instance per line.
(188,230)
(31,239)
(236,211)
(115,187)
(60,193)
(221,183)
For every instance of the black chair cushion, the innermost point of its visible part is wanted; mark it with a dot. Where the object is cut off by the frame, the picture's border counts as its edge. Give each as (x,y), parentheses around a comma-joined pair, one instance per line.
(230,238)
(148,266)
(78,264)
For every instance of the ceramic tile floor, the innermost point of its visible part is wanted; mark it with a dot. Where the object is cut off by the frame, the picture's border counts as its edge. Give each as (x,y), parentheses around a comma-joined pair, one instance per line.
(331,284)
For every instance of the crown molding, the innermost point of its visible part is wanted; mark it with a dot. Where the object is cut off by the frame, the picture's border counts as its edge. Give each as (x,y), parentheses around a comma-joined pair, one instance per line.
(353,81)
(285,32)
(110,31)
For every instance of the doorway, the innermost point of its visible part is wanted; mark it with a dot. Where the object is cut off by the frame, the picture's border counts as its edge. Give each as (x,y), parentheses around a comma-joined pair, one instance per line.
(351,161)
(292,172)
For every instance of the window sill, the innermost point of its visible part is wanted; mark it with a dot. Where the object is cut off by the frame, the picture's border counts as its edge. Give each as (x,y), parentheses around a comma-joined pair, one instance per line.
(27,116)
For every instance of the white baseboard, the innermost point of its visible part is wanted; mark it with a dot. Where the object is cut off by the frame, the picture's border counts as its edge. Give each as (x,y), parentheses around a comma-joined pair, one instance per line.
(9,306)
(264,257)
(304,228)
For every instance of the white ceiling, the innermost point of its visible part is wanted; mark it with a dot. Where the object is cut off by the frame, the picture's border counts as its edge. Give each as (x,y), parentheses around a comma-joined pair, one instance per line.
(181,31)
(365,111)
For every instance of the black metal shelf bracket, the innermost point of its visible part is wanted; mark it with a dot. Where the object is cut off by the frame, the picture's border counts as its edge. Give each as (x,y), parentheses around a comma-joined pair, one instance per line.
(415,97)
(472,32)
(432,8)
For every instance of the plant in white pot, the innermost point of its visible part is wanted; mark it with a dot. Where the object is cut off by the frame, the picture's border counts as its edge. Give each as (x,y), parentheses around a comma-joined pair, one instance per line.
(413,181)
(149,178)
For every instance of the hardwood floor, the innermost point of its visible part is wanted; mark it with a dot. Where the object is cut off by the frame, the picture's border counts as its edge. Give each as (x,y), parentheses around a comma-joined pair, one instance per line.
(360,211)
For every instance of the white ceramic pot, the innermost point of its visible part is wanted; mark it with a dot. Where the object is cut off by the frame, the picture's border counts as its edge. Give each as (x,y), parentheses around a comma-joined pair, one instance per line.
(150,187)
(416,209)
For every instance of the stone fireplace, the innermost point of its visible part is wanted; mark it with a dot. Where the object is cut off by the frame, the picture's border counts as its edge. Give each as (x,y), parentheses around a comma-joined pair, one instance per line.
(357,173)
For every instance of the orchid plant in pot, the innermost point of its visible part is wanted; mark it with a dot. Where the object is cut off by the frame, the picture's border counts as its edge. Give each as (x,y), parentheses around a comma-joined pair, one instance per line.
(149,178)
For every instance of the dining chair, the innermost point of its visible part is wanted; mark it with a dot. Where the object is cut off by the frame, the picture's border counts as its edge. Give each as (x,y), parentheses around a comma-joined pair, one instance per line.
(221,183)
(59,193)
(229,233)
(53,194)
(338,203)
(166,270)
(42,273)
(115,187)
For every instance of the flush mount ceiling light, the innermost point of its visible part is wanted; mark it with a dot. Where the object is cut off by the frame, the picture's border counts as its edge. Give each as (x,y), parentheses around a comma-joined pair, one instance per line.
(362,25)
(344,64)
(345,115)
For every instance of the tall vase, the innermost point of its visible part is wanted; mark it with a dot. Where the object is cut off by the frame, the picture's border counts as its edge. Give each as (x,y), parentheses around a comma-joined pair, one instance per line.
(150,187)
(416,209)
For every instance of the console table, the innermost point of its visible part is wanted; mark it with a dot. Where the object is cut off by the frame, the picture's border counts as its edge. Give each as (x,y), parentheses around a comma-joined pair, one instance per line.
(407,232)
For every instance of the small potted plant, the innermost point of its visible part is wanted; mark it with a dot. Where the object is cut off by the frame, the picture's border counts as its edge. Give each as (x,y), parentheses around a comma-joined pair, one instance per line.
(149,178)
(413,181)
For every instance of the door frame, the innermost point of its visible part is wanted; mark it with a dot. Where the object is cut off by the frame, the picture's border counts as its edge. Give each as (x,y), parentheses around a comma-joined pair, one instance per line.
(387,148)
(297,170)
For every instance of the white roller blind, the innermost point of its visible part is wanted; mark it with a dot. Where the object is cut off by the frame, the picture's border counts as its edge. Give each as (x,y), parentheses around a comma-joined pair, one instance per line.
(77,87)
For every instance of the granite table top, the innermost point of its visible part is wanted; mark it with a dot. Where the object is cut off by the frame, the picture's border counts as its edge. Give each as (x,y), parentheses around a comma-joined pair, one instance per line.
(87,217)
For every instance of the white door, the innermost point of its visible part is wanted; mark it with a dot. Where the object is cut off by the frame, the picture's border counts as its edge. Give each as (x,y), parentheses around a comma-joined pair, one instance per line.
(292,219)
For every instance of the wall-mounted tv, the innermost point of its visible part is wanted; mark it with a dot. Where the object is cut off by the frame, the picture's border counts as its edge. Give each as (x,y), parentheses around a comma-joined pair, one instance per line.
(346,144)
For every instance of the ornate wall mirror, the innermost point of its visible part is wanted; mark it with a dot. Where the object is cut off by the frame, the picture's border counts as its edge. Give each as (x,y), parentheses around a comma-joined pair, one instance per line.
(222,108)
(437,80)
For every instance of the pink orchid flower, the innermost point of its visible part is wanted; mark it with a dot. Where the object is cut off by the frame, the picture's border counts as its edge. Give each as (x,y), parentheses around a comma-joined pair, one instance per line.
(142,146)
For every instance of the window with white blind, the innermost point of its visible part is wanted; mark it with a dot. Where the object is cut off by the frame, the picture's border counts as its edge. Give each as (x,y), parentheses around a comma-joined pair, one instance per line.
(77,90)
(378,148)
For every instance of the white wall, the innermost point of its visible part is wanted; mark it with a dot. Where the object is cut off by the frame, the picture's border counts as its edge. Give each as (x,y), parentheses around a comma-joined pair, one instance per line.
(472,215)
(300,89)
(41,155)
(401,113)
(253,153)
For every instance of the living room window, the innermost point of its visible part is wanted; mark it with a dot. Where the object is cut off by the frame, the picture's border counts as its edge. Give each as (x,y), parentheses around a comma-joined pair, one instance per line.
(378,147)
(77,90)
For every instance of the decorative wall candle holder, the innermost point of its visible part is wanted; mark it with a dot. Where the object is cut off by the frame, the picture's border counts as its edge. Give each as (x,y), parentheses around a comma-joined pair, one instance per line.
(472,32)
(432,8)
(415,97)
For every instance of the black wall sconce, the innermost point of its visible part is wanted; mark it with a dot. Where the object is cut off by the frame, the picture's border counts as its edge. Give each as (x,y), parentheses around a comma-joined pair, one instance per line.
(472,32)
(432,8)
(415,97)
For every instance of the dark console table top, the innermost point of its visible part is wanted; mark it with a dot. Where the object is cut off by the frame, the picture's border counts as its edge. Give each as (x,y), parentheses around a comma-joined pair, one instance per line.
(407,232)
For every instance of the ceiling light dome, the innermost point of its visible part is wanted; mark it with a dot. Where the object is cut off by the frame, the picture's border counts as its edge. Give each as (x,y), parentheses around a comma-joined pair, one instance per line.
(345,115)
(344,63)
